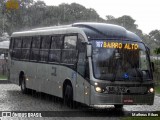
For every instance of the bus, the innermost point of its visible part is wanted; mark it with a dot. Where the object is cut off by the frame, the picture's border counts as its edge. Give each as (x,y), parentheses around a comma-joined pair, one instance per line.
(89,63)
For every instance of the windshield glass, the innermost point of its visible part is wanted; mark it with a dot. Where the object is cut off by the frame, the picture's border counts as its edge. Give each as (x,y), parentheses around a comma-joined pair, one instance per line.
(120,60)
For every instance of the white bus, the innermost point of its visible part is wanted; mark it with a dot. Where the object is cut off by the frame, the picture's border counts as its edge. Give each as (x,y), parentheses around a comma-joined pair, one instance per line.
(91,63)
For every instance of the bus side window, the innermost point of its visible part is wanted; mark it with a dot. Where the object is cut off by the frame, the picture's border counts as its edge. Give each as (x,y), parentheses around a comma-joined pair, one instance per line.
(55,51)
(26,47)
(45,46)
(69,52)
(16,53)
(35,48)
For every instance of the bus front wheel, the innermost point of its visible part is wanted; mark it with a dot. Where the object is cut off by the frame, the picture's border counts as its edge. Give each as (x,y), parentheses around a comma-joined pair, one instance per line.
(68,96)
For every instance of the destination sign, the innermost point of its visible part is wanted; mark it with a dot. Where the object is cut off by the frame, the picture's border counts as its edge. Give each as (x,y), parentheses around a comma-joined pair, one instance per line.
(118,45)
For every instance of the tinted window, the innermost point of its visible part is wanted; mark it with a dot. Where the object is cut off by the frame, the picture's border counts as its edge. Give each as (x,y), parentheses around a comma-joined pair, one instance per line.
(69,56)
(36,42)
(55,55)
(56,42)
(46,40)
(25,54)
(17,43)
(69,53)
(16,53)
(80,46)
(26,42)
(44,55)
(34,54)
(70,42)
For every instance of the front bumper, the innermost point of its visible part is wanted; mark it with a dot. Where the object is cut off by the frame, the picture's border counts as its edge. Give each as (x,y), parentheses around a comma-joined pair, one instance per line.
(113,99)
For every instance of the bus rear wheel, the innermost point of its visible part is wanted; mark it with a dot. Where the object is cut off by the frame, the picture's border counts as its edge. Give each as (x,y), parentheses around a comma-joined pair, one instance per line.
(23,85)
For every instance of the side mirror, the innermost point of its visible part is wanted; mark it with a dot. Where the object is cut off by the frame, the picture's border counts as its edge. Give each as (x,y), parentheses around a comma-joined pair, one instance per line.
(89,50)
(152,66)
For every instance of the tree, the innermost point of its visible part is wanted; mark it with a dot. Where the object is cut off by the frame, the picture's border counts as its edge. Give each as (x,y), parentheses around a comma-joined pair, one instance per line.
(110,17)
(157,51)
(155,34)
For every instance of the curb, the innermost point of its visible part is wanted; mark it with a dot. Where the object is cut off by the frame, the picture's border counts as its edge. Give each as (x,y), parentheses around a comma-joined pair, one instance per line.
(4,81)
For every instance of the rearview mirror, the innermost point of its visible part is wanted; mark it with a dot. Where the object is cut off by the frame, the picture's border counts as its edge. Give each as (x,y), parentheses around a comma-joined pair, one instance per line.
(89,50)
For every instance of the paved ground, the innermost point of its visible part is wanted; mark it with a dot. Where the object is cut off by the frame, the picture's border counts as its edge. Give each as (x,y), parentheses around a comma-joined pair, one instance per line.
(11,99)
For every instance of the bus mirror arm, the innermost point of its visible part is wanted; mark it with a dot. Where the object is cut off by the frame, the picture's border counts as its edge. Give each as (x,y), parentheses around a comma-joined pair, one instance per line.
(86,43)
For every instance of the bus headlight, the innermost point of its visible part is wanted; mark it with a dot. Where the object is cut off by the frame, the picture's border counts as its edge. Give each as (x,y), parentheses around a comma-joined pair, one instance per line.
(98,89)
(151,90)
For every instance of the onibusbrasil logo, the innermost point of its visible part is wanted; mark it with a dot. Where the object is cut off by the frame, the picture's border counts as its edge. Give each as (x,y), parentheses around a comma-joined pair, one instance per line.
(12,5)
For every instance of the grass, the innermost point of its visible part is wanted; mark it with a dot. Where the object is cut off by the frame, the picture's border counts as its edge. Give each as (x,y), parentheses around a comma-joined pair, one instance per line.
(157,89)
(3,77)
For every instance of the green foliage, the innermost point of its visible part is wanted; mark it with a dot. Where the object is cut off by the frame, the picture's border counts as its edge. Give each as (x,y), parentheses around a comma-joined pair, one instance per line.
(3,77)
(157,89)
(157,51)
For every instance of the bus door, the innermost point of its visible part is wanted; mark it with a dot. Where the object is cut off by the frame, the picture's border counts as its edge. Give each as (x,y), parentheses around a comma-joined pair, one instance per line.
(80,83)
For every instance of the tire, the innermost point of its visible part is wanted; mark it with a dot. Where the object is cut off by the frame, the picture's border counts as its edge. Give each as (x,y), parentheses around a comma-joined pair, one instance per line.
(23,85)
(118,106)
(68,96)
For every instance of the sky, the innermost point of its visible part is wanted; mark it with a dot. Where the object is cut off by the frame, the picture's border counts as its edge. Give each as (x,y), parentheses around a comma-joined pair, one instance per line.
(145,12)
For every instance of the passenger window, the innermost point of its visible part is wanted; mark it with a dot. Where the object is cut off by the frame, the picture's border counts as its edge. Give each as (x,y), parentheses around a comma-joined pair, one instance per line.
(56,42)
(34,54)
(17,43)
(44,51)
(25,54)
(69,53)
(69,56)
(44,55)
(16,52)
(26,42)
(36,42)
(55,55)
(46,40)
(70,42)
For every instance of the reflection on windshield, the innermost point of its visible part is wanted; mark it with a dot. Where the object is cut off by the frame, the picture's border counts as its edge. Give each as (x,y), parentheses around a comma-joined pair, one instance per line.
(120,63)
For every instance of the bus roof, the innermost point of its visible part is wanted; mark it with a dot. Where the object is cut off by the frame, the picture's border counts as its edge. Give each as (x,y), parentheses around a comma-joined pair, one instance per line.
(92,31)
(109,31)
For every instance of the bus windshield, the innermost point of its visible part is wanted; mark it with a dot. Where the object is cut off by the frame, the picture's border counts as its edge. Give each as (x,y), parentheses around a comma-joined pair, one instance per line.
(120,60)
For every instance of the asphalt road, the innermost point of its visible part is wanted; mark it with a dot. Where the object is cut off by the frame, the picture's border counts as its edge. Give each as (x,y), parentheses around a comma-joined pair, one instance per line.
(11,99)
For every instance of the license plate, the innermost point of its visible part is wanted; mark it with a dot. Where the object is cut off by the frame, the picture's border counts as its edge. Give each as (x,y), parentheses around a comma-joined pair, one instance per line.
(128,101)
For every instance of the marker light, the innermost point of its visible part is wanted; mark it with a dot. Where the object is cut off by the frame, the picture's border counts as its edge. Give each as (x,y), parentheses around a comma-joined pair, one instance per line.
(151,90)
(95,83)
(98,89)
